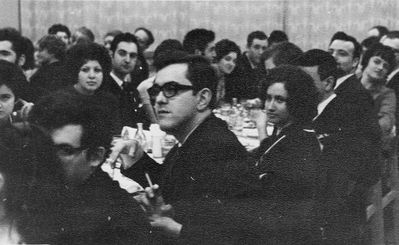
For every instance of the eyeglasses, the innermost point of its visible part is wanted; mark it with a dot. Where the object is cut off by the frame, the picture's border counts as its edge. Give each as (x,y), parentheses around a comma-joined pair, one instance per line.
(169,89)
(67,150)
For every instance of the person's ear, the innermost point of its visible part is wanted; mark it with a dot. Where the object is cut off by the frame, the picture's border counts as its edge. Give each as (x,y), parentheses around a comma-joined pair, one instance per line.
(204,97)
(330,83)
(355,62)
(197,52)
(97,157)
(21,60)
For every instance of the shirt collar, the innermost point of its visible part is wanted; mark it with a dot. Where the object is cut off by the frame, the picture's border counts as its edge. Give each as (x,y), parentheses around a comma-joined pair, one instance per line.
(322,105)
(192,130)
(117,79)
(341,80)
(253,66)
(392,74)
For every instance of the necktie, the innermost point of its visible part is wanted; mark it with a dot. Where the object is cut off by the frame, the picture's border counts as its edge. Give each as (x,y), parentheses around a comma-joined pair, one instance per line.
(125,86)
(274,134)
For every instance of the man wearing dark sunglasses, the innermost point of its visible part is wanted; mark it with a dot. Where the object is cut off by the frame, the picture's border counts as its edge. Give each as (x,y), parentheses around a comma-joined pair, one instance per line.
(208,163)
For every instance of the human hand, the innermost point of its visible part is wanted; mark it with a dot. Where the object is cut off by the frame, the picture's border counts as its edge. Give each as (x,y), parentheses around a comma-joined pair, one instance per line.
(143,88)
(153,204)
(159,213)
(24,110)
(166,225)
(129,150)
(260,118)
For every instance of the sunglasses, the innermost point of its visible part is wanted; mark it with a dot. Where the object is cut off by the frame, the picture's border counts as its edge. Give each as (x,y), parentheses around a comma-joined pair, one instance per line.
(169,89)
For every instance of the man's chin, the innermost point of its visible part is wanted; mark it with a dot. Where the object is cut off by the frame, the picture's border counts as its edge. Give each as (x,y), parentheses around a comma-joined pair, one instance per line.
(340,72)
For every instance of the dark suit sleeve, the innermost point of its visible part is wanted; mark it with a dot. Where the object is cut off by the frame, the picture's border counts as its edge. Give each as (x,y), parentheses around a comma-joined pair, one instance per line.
(145,165)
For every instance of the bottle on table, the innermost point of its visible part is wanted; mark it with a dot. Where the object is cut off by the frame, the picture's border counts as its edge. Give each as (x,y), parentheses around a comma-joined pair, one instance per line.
(140,137)
(157,136)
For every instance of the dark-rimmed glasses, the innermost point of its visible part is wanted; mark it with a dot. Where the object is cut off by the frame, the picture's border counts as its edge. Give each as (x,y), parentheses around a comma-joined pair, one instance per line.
(169,89)
(67,150)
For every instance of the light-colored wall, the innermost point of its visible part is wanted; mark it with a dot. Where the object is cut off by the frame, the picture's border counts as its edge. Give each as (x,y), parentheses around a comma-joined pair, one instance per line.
(9,13)
(308,23)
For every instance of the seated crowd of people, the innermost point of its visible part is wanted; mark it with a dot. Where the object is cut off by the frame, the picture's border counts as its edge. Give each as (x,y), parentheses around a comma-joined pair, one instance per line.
(333,114)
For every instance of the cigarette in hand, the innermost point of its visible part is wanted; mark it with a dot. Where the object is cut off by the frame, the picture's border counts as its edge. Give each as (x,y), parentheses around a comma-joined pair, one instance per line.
(147,176)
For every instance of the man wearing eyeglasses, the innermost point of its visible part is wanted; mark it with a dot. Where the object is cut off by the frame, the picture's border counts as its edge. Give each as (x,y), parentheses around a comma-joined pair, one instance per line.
(97,210)
(207,165)
(124,50)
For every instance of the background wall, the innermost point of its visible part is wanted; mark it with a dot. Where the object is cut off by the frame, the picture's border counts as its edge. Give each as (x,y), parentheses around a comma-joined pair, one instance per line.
(9,13)
(308,23)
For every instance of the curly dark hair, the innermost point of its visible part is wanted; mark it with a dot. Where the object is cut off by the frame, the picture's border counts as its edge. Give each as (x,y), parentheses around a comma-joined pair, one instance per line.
(302,98)
(79,54)
(54,46)
(384,52)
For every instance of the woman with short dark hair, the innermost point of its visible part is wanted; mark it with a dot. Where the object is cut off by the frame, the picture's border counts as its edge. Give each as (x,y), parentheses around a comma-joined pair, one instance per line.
(377,63)
(227,53)
(87,66)
(287,162)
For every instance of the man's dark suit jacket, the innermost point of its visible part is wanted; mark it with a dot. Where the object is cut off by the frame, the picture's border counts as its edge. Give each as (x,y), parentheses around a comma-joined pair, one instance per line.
(243,82)
(100,212)
(198,178)
(349,167)
(128,99)
(355,96)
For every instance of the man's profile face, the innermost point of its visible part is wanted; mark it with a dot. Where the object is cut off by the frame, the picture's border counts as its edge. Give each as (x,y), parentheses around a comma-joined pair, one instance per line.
(74,159)
(175,113)
(124,58)
(142,39)
(43,57)
(256,49)
(7,53)
(313,71)
(63,36)
(210,52)
(343,51)
(107,42)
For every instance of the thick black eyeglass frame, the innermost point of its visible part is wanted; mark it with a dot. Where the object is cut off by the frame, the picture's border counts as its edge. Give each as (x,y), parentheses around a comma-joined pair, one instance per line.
(67,150)
(169,89)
